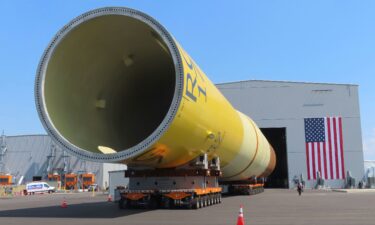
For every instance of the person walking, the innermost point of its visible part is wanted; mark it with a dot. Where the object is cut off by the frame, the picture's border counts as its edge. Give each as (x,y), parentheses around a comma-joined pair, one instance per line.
(299,188)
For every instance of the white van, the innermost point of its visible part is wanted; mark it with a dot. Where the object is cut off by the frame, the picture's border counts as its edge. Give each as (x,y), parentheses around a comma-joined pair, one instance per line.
(39,187)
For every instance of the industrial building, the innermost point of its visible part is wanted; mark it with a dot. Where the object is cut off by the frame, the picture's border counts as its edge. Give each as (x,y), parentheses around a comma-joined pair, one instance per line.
(299,118)
(281,109)
(370,168)
(33,157)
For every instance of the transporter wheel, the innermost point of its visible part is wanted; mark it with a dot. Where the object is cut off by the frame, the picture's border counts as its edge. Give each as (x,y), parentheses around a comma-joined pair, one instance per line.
(204,201)
(231,190)
(123,203)
(219,198)
(216,199)
(199,203)
(210,200)
(190,205)
(168,203)
(195,204)
(152,204)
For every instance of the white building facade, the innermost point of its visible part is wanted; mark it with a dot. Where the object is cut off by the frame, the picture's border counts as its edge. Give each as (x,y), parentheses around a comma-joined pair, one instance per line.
(289,114)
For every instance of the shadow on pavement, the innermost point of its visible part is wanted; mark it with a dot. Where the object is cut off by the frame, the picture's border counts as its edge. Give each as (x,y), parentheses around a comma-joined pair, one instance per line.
(84,210)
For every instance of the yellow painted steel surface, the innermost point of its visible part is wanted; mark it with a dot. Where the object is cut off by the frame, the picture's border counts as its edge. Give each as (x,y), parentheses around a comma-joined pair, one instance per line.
(207,123)
(199,119)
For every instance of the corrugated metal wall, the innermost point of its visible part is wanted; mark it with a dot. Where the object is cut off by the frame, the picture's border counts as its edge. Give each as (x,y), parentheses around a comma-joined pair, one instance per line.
(28,156)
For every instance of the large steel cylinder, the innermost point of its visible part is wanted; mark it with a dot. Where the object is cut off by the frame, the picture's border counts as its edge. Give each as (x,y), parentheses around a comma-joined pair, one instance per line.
(114,86)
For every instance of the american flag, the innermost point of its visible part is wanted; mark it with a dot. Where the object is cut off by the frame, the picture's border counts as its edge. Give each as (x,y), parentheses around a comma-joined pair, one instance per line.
(324,148)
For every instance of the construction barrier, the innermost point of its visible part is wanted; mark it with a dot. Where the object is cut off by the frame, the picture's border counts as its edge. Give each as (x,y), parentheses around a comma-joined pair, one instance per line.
(11,190)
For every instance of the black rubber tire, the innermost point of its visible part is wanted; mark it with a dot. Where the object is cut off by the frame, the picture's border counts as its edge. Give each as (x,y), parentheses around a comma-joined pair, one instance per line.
(167,203)
(123,203)
(190,205)
(153,204)
(195,204)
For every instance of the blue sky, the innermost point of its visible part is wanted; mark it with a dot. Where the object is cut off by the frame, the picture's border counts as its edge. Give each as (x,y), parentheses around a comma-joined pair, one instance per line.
(317,41)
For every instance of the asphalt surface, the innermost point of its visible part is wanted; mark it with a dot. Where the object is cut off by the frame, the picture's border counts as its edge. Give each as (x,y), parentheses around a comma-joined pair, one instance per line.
(270,207)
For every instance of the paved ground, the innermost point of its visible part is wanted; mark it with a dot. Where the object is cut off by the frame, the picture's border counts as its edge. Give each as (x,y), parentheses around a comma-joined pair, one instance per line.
(270,207)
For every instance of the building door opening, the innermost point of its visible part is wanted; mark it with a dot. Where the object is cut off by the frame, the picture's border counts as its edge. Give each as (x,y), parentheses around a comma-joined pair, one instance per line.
(277,138)
(37,178)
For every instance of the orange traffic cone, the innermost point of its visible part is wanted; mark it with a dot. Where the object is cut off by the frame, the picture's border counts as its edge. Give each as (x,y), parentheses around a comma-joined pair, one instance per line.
(64,204)
(240,220)
(109,198)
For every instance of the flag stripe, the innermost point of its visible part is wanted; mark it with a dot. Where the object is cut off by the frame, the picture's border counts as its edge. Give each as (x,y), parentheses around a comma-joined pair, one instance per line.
(336,151)
(325,161)
(313,157)
(333,150)
(327,150)
(308,161)
(311,161)
(339,174)
(341,149)
(330,147)
(319,159)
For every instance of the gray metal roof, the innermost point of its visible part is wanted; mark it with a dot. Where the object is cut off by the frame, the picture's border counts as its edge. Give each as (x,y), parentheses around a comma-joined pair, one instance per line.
(275,81)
